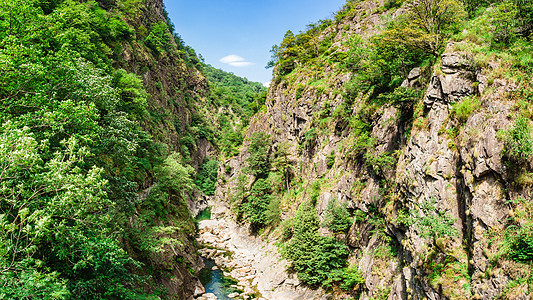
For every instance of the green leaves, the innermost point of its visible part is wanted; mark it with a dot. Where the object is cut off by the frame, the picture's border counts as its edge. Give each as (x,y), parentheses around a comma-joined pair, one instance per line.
(68,136)
(434,223)
(173,175)
(54,215)
(430,22)
(207,176)
(132,93)
(519,242)
(317,259)
(160,39)
(259,148)
(258,201)
(463,109)
(337,217)
(519,140)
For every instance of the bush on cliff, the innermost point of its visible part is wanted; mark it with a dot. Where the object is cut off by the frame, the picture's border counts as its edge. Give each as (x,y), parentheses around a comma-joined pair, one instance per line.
(314,257)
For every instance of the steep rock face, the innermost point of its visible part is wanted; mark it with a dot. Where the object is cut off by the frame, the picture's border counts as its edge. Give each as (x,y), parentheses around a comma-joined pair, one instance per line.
(174,87)
(449,171)
(173,84)
(291,114)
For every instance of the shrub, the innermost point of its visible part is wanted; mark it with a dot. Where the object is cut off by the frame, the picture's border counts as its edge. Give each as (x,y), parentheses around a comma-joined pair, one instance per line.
(505,23)
(159,39)
(273,212)
(207,176)
(337,217)
(433,222)
(331,159)
(519,242)
(463,109)
(519,141)
(283,164)
(315,258)
(400,95)
(310,137)
(255,210)
(132,94)
(258,161)
(286,228)
(351,278)
(380,162)
(472,6)
(393,4)
(525,17)
(315,192)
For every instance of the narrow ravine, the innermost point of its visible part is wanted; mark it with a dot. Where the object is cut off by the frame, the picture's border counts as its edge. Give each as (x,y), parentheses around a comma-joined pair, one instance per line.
(255,264)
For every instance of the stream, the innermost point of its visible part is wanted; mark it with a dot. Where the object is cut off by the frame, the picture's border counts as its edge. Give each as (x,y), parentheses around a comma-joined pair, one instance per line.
(215,282)
(253,267)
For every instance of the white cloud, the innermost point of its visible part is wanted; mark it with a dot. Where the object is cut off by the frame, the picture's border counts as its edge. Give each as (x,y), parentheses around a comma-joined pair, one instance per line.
(231,58)
(240,64)
(235,61)
(267,84)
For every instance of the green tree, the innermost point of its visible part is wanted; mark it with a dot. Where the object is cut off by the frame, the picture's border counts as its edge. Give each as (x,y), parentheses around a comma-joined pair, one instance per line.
(71,152)
(429,23)
(259,148)
(256,207)
(283,164)
(314,257)
(207,176)
(284,56)
(56,219)
(337,217)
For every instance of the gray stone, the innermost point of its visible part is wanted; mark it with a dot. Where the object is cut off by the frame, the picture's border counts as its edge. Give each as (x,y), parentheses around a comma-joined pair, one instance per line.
(411,78)
(198,289)
(210,296)
(454,62)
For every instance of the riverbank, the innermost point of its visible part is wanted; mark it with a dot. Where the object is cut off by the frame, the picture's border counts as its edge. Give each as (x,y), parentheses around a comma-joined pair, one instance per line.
(253,262)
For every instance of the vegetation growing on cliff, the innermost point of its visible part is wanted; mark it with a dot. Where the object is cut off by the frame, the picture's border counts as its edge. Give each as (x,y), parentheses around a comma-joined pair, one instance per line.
(317,259)
(75,151)
(64,197)
(390,62)
(97,164)
(239,100)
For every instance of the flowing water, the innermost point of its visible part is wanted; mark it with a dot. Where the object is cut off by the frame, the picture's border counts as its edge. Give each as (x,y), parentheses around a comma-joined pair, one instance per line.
(215,282)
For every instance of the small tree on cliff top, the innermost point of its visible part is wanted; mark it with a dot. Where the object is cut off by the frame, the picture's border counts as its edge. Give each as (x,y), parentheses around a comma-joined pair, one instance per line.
(428,24)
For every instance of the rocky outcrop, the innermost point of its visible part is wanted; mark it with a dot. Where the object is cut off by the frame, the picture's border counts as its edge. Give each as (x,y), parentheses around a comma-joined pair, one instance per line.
(173,86)
(452,165)
(454,83)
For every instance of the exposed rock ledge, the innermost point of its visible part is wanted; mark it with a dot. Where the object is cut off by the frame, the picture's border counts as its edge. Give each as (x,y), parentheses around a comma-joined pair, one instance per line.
(255,263)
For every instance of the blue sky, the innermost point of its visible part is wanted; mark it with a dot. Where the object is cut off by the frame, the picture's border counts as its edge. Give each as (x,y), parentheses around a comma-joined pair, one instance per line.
(237,35)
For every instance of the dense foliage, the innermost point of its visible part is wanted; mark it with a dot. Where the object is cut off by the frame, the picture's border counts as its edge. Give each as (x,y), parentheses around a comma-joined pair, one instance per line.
(519,141)
(239,100)
(316,259)
(337,218)
(207,176)
(73,154)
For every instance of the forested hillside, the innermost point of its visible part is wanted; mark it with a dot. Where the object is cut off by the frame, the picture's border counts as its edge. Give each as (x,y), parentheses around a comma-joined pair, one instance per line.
(103,134)
(391,158)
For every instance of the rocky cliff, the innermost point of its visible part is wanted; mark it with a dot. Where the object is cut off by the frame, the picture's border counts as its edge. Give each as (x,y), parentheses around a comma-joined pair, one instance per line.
(176,107)
(427,179)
